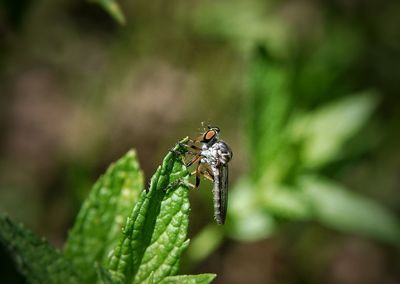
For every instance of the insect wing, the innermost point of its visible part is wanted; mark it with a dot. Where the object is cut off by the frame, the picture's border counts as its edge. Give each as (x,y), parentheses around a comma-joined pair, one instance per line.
(221,190)
(224,191)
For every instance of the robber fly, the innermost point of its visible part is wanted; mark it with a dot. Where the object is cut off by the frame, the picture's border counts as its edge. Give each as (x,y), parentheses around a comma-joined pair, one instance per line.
(212,162)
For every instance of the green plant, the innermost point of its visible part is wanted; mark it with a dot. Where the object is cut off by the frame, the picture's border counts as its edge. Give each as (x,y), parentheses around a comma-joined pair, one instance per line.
(113,9)
(146,250)
(289,149)
(290,146)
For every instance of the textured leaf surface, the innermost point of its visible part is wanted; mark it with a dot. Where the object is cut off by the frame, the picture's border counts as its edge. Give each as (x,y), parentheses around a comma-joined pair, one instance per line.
(36,258)
(99,223)
(155,233)
(112,8)
(105,277)
(189,279)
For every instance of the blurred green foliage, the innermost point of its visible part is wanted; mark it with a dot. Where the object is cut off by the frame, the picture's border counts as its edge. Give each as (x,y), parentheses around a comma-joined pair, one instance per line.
(305,92)
(289,143)
(286,147)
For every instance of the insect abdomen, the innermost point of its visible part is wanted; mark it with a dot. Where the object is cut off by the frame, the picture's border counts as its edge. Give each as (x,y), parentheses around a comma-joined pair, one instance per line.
(220,193)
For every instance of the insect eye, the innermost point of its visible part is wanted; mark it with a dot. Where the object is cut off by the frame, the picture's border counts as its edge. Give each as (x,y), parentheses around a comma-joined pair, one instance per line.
(209,135)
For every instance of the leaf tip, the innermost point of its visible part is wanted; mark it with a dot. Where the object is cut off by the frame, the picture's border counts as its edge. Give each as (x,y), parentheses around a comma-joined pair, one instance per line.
(113,9)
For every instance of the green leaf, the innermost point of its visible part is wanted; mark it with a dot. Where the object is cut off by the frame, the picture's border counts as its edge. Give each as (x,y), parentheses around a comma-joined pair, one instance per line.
(112,8)
(189,279)
(36,258)
(99,223)
(203,244)
(346,211)
(248,219)
(105,277)
(324,131)
(249,23)
(285,202)
(327,63)
(155,233)
(269,107)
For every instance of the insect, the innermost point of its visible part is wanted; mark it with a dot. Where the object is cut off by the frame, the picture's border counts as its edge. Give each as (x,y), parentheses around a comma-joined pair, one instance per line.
(212,160)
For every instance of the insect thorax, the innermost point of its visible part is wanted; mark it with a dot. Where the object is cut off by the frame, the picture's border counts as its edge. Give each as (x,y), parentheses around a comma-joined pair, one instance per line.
(216,153)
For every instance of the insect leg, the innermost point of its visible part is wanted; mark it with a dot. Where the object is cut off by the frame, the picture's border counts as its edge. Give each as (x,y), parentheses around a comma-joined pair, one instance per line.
(191,145)
(210,172)
(177,183)
(207,174)
(194,160)
(195,147)
(198,171)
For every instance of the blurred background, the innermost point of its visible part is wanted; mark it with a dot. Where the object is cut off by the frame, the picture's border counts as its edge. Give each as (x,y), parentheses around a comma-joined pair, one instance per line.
(305,92)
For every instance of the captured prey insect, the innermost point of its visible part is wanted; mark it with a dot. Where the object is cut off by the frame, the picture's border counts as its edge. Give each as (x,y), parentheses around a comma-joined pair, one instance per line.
(212,160)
